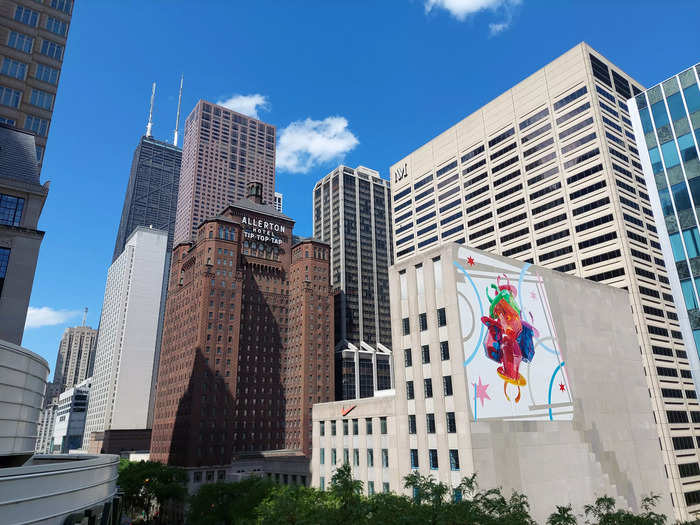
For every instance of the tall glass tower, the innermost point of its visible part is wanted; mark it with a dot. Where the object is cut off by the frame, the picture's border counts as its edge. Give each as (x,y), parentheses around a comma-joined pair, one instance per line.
(666,118)
(352,214)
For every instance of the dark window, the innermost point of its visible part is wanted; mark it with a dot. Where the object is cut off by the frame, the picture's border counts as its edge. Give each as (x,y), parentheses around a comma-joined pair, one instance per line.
(501,137)
(543,175)
(588,189)
(451,423)
(598,221)
(430,422)
(423,320)
(433,456)
(472,154)
(447,385)
(407,357)
(534,118)
(411,424)
(445,169)
(454,465)
(545,190)
(600,258)
(676,416)
(425,353)
(409,390)
(597,240)
(590,206)
(606,275)
(444,350)
(4,260)
(555,253)
(512,220)
(428,387)
(517,249)
(552,237)
(600,70)
(571,114)
(683,442)
(581,158)
(406,326)
(11,209)
(441,317)
(676,394)
(539,147)
(688,469)
(536,133)
(540,161)
(569,98)
(576,127)
(583,174)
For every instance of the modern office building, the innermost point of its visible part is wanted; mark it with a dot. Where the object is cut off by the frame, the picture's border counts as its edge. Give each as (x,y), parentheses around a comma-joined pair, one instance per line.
(278,201)
(666,121)
(223,152)
(32,43)
(527,376)
(22,198)
(225,332)
(151,193)
(352,213)
(126,358)
(45,426)
(307,363)
(69,422)
(75,352)
(549,173)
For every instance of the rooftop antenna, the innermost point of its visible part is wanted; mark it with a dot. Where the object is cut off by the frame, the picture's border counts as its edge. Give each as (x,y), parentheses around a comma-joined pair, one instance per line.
(150,113)
(85,315)
(177,119)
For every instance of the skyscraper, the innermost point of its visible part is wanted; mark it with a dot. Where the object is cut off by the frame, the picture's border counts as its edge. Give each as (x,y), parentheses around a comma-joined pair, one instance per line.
(665,118)
(22,198)
(75,352)
(126,358)
(223,152)
(278,201)
(151,193)
(549,173)
(33,45)
(307,363)
(352,213)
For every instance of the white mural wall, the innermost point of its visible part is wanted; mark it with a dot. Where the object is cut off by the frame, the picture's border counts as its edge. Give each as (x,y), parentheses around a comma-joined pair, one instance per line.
(516,369)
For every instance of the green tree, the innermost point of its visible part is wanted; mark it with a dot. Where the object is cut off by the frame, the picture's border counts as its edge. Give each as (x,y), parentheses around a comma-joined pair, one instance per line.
(294,505)
(564,515)
(429,496)
(347,495)
(148,486)
(228,503)
(604,512)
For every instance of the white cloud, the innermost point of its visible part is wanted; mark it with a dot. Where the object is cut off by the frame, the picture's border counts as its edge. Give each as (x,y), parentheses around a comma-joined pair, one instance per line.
(47,316)
(461,9)
(304,144)
(246,104)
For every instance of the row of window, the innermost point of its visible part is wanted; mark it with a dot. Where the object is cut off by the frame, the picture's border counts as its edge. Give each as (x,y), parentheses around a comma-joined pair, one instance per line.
(355,457)
(355,426)
(423,321)
(16,69)
(25,43)
(12,98)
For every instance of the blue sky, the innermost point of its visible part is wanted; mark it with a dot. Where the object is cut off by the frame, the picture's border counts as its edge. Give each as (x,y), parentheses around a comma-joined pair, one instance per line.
(358,81)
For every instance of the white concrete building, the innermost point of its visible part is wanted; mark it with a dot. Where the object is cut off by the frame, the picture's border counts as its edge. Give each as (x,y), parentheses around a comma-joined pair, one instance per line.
(69,423)
(278,201)
(44,435)
(538,386)
(123,379)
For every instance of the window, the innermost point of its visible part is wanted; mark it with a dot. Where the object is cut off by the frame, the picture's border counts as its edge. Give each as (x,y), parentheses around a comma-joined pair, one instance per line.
(382,425)
(322,427)
(406,326)
(370,488)
(4,260)
(407,357)
(56,26)
(447,385)
(346,427)
(368,426)
(38,125)
(356,457)
(433,455)
(688,469)
(334,457)
(11,209)
(409,390)
(385,458)
(332,428)
(444,350)
(428,387)
(385,487)
(62,5)
(51,49)
(10,97)
(355,427)
(323,483)
(451,423)
(346,455)
(411,424)
(423,321)
(370,457)
(322,456)
(569,98)
(13,68)
(20,41)
(26,16)
(425,353)
(676,416)
(414,458)
(41,99)
(441,317)
(454,459)
(46,74)
(430,422)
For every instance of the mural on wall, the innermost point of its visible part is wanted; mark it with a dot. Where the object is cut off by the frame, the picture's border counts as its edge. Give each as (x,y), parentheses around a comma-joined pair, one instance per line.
(514,365)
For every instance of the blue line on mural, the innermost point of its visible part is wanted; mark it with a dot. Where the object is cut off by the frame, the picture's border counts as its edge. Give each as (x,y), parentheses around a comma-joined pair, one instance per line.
(481,310)
(520,285)
(550,350)
(551,383)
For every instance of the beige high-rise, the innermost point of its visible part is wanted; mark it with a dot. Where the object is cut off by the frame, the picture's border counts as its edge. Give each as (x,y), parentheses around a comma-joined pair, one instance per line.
(548,173)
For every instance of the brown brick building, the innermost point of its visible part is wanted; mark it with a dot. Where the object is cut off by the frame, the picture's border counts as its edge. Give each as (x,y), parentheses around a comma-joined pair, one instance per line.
(220,381)
(307,365)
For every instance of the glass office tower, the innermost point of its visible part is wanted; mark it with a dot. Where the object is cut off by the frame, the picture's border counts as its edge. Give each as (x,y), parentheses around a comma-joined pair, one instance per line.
(667,126)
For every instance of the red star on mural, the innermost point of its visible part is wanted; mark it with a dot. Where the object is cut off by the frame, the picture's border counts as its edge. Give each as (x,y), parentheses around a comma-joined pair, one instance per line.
(470,261)
(562,387)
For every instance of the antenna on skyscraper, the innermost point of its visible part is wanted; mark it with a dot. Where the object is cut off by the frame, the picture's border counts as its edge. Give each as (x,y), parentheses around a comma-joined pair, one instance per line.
(150,113)
(177,119)
(84,316)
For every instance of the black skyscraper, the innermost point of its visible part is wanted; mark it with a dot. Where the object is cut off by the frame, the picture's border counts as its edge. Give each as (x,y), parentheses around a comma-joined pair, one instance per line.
(151,195)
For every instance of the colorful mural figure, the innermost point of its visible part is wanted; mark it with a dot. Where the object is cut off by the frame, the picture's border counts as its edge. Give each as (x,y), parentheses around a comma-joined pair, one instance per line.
(509,338)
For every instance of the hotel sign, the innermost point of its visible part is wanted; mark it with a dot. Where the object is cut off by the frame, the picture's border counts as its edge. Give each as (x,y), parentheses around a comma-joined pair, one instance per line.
(262,231)
(401,173)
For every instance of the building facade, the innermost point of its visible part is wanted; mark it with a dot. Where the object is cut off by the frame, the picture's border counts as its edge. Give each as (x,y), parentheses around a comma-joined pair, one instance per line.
(530,377)
(549,173)
(307,363)
(69,422)
(352,213)
(666,119)
(223,152)
(278,201)
(33,41)
(126,357)
(75,354)
(224,333)
(151,193)
(22,198)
